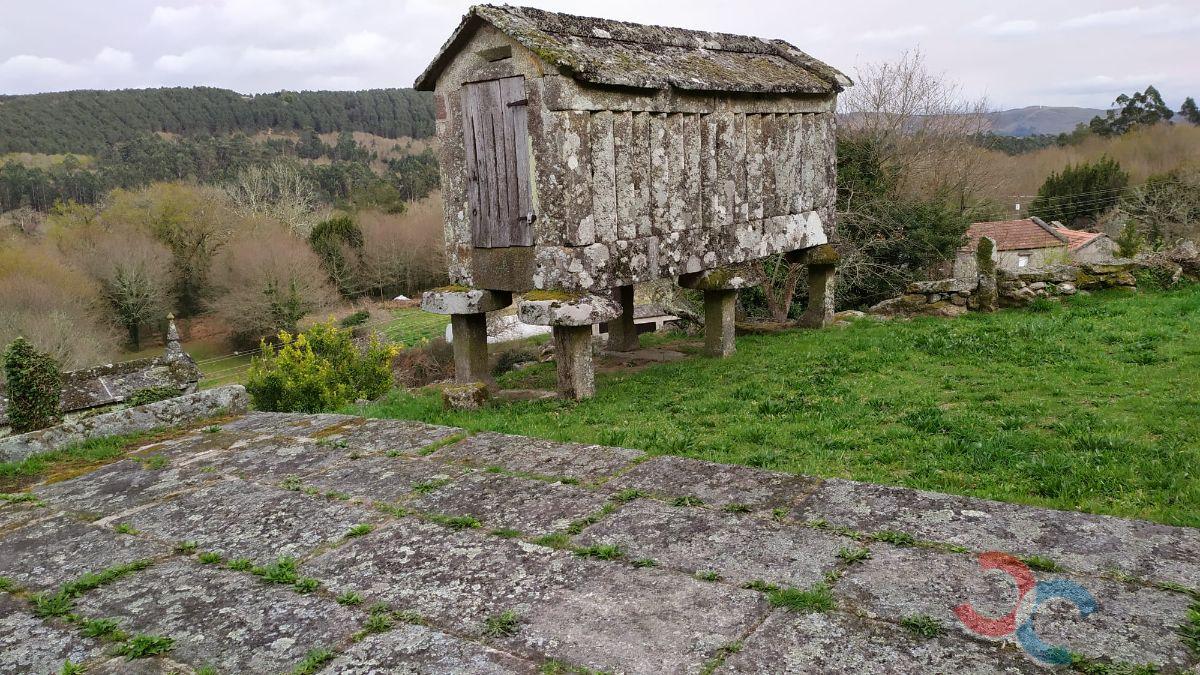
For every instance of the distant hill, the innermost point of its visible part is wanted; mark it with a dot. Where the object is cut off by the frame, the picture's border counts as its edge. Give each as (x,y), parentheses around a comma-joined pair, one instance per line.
(87,122)
(1040,119)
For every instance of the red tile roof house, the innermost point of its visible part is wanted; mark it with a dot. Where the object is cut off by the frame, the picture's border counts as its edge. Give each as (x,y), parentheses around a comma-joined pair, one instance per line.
(1031,243)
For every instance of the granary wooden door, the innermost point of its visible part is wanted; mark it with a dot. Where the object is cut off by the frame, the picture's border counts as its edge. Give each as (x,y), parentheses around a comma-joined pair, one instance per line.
(495,134)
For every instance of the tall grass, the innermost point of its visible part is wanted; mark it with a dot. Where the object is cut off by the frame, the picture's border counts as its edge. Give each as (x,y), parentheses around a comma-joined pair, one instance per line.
(1142,152)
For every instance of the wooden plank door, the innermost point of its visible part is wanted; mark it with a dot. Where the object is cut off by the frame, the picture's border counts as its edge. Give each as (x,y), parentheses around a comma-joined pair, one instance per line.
(495,133)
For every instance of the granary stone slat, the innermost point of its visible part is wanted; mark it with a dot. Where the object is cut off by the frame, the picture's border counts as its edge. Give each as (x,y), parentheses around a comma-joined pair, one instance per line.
(604,176)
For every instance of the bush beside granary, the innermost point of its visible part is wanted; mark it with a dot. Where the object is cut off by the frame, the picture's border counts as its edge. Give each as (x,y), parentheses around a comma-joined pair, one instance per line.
(34,387)
(320,369)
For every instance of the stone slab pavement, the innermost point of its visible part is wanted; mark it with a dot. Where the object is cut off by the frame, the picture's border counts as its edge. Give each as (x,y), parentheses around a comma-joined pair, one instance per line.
(333,544)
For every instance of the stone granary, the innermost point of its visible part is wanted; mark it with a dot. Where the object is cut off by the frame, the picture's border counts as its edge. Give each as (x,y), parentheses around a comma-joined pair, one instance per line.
(581,156)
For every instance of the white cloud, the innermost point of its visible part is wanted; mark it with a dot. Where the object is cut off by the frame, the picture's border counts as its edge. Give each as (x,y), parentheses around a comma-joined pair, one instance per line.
(1118,17)
(991,25)
(900,33)
(1108,85)
(207,58)
(267,45)
(27,65)
(114,59)
(174,18)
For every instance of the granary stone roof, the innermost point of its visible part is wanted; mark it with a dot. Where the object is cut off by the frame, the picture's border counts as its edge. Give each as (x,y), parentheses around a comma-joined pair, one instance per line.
(618,53)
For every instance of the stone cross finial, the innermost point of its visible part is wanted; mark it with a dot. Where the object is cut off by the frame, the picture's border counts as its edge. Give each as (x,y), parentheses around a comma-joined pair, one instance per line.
(174,348)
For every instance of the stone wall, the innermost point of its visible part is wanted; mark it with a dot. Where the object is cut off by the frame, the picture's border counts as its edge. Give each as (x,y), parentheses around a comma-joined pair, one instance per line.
(954,297)
(182,410)
(113,383)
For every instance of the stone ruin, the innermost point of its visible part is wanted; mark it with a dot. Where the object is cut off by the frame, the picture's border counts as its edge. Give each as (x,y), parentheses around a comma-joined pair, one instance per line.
(580,156)
(107,385)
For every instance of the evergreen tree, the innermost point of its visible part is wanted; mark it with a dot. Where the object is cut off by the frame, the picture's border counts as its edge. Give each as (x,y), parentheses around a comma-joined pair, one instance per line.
(1141,109)
(1189,111)
(1080,192)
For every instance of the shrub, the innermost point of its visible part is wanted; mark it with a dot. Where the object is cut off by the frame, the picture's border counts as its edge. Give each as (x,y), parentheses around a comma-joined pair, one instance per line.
(356,319)
(151,395)
(318,370)
(511,356)
(419,366)
(34,387)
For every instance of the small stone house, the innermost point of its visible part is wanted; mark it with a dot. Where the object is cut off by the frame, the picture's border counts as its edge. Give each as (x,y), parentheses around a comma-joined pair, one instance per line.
(580,156)
(1031,243)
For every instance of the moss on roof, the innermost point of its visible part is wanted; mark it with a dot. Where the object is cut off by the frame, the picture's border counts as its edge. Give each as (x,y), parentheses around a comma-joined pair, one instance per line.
(606,52)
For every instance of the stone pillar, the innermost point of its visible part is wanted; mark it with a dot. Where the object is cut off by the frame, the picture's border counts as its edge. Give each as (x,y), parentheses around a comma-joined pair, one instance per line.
(720,287)
(470,348)
(571,318)
(822,268)
(987,295)
(622,331)
(573,358)
(719,319)
(468,308)
(174,346)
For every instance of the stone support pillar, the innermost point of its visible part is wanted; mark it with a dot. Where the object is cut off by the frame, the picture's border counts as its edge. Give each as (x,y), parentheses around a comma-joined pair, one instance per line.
(719,318)
(470,348)
(573,357)
(622,331)
(571,318)
(720,287)
(467,308)
(822,267)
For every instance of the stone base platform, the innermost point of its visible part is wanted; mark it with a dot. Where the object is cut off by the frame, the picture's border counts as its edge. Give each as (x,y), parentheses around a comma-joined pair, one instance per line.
(334,544)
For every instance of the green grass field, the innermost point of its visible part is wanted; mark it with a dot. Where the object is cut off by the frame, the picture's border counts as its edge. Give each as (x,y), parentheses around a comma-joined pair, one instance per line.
(413,326)
(1094,405)
(221,366)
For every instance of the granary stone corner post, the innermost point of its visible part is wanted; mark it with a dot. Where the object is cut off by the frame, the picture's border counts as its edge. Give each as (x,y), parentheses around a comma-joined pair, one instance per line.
(720,288)
(571,319)
(822,271)
(986,298)
(467,308)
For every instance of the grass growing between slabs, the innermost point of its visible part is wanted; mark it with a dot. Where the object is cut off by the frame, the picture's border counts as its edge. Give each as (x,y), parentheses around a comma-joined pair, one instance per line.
(1092,405)
(70,460)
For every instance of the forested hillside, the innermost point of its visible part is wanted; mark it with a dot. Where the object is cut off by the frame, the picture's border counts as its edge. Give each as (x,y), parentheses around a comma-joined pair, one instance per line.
(89,122)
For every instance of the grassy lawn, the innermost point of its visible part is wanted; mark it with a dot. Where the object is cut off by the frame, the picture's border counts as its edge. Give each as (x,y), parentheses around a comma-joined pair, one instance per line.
(413,325)
(1094,405)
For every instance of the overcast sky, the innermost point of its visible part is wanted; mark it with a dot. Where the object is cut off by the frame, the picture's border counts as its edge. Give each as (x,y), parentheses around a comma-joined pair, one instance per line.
(1017,53)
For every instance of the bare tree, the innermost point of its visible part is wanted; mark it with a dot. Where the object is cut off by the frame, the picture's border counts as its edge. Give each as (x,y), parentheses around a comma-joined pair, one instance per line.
(134,273)
(920,125)
(403,253)
(193,221)
(267,281)
(51,304)
(278,191)
(912,177)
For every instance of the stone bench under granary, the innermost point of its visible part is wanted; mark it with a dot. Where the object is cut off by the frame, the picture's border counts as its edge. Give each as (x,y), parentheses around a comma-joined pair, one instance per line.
(581,156)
